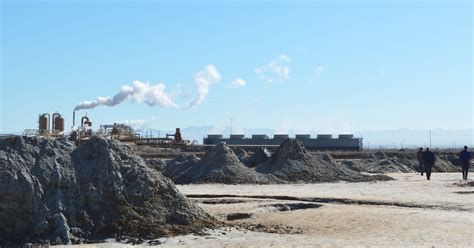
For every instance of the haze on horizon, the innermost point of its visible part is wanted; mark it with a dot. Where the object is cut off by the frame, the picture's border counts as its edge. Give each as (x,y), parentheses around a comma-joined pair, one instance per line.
(315,66)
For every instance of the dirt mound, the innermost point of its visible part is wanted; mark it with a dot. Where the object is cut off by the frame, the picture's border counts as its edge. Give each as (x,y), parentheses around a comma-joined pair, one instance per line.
(258,157)
(446,163)
(400,163)
(218,165)
(175,167)
(291,162)
(328,158)
(380,155)
(242,154)
(50,190)
(380,166)
(156,163)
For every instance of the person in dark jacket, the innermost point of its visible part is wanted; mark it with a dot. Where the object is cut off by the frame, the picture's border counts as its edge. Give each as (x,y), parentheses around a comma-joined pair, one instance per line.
(428,161)
(465,159)
(419,156)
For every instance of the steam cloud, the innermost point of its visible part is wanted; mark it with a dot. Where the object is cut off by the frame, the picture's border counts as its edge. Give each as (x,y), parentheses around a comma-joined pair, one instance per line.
(204,79)
(238,82)
(277,69)
(156,95)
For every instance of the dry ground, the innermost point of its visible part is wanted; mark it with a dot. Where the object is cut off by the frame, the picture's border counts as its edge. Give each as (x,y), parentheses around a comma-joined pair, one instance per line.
(409,211)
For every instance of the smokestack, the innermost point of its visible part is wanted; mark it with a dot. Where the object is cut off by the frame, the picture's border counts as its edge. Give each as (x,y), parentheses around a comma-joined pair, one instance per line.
(73,118)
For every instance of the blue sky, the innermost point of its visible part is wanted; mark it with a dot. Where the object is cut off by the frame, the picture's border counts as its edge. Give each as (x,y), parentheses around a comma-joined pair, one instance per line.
(333,67)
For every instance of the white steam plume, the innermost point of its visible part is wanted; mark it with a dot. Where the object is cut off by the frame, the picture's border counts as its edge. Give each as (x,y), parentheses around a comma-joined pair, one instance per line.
(277,69)
(203,80)
(139,92)
(156,95)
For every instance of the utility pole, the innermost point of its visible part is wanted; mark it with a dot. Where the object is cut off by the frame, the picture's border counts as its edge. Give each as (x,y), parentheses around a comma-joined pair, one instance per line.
(430,138)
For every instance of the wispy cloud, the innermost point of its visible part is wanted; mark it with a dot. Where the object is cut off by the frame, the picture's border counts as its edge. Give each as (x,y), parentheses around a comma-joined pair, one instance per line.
(277,69)
(238,82)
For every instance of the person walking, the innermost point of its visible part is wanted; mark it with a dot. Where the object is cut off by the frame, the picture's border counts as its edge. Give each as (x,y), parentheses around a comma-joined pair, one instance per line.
(465,159)
(428,162)
(419,156)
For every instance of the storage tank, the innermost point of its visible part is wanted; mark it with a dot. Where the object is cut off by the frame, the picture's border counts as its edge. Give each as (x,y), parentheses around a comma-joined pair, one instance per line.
(303,136)
(237,136)
(259,136)
(324,136)
(281,136)
(346,136)
(58,122)
(43,122)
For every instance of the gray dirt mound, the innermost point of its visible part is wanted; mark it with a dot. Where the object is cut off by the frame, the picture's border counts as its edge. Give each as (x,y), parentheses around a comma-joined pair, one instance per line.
(242,154)
(381,166)
(258,157)
(291,162)
(446,163)
(50,190)
(218,165)
(175,167)
(380,155)
(156,163)
(328,158)
(400,163)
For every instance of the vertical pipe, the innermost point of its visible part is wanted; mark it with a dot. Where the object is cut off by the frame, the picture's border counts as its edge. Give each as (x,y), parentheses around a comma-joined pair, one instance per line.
(53,120)
(49,121)
(73,118)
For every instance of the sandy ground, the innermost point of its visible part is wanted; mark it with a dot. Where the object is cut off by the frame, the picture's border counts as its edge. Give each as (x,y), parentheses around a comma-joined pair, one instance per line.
(409,211)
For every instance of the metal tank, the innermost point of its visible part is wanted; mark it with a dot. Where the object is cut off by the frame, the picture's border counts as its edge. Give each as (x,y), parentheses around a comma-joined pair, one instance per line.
(58,122)
(43,121)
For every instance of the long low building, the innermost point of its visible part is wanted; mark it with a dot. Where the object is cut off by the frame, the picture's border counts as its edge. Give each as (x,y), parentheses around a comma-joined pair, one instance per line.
(321,142)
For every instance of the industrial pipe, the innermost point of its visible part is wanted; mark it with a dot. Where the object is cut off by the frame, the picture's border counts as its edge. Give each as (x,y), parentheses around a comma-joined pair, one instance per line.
(84,118)
(53,120)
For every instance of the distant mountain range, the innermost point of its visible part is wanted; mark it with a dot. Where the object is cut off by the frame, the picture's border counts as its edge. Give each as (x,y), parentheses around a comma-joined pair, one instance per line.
(407,138)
